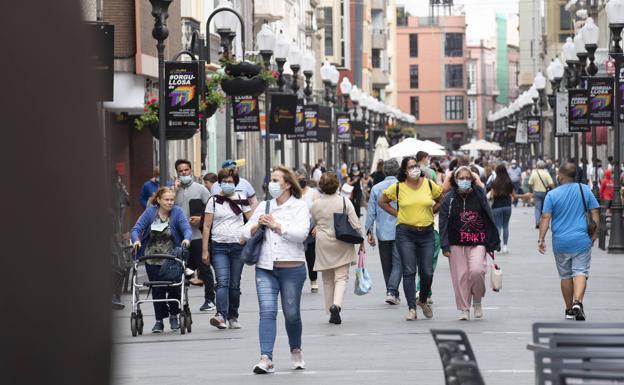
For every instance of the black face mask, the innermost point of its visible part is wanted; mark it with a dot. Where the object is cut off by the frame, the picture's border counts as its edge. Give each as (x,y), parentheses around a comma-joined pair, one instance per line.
(303,183)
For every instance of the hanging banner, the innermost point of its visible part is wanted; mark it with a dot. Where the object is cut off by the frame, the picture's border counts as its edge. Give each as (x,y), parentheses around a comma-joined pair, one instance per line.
(310,116)
(359,136)
(325,124)
(282,116)
(181,96)
(600,101)
(619,86)
(246,113)
(578,114)
(511,134)
(299,122)
(521,132)
(534,129)
(561,109)
(343,128)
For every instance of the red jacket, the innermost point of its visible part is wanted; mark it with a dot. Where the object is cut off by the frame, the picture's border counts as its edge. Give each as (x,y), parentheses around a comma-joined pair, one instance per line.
(606,186)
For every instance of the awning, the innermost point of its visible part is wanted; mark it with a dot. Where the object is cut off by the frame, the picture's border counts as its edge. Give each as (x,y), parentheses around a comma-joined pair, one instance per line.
(128,93)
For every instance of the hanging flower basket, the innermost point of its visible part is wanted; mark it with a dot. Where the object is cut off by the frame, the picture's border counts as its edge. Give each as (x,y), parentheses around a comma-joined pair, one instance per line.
(174,133)
(210,110)
(244,86)
(242,69)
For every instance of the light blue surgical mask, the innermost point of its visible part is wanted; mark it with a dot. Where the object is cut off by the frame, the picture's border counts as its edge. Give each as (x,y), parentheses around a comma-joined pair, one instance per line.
(186,179)
(275,190)
(228,188)
(464,184)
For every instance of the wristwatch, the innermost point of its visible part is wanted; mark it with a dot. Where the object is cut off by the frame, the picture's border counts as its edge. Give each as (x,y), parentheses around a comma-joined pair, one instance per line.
(540,241)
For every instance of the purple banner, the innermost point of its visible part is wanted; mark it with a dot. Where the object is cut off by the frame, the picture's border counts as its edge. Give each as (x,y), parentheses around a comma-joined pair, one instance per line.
(600,101)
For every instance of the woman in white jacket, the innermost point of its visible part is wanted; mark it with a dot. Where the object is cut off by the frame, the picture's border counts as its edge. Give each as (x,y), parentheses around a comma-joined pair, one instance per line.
(281,266)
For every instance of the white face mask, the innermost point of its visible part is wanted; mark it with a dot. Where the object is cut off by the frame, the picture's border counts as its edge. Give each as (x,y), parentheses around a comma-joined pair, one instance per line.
(275,189)
(414,173)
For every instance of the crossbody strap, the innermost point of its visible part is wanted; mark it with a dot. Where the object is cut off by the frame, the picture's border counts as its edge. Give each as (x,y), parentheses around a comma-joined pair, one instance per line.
(541,180)
(583,198)
(397,195)
(344,205)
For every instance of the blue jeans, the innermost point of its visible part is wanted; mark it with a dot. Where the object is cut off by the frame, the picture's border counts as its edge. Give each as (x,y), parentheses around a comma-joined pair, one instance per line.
(501,221)
(163,309)
(517,186)
(228,265)
(391,266)
(538,198)
(416,250)
(269,283)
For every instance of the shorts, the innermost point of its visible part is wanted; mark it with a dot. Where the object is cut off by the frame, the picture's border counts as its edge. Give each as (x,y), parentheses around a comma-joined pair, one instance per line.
(571,265)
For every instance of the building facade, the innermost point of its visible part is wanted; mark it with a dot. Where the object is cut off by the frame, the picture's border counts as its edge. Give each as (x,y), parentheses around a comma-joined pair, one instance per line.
(482,87)
(431,76)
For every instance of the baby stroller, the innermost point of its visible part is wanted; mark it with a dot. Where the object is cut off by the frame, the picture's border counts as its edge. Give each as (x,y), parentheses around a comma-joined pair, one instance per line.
(172,270)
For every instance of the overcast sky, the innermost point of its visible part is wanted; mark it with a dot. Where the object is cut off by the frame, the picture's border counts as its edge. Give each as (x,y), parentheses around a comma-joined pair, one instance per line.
(479,14)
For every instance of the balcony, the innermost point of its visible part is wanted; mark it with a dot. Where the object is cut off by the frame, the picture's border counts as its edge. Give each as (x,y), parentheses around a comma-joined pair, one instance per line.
(472,89)
(380,78)
(378,4)
(269,10)
(380,39)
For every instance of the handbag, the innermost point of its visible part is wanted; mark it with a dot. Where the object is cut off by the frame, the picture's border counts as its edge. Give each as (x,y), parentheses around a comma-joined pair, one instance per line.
(253,247)
(362,280)
(344,230)
(171,270)
(496,275)
(546,187)
(591,225)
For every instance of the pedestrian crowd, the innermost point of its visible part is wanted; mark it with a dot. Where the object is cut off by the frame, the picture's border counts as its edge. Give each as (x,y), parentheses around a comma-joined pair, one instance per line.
(415,209)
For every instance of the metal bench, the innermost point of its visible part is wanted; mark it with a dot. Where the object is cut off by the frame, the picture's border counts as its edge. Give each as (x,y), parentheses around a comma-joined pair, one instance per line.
(544,331)
(551,363)
(569,377)
(458,359)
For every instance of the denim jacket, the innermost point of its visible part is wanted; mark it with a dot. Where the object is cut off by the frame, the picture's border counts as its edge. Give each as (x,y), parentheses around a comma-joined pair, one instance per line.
(493,238)
(180,227)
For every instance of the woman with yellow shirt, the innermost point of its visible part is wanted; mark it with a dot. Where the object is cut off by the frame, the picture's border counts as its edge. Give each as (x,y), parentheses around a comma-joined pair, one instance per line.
(417,200)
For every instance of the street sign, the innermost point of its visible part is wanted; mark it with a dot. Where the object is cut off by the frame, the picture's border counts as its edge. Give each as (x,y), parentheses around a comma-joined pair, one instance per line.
(578,113)
(181,99)
(600,101)
(246,113)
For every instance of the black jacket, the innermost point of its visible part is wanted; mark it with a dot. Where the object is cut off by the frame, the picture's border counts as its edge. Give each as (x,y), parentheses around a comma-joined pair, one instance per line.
(493,238)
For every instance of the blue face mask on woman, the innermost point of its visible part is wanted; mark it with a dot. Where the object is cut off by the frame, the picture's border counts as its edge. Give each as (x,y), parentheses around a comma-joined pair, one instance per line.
(464,185)
(228,188)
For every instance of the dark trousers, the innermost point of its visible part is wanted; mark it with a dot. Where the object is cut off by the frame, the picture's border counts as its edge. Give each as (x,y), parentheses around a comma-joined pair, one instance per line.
(416,249)
(391,266)
(205,271)
(163,309)
(517,186)
(310,255)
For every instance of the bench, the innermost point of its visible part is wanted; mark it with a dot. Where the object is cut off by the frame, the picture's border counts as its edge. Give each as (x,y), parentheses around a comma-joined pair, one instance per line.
(551,364)
(458,359)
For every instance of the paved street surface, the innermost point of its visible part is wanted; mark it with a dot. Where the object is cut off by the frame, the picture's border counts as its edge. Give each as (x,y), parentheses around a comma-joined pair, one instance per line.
(374,345)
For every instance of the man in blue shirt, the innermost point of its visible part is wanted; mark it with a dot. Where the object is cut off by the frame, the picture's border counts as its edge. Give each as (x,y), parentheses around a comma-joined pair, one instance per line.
(566,206)
(150,187)
(385,230)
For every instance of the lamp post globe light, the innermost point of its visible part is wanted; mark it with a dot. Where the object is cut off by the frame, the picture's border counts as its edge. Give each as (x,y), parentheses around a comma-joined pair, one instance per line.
(160,32)
(309,62)
(326,76)
(569,54)
(591,34)
(615,16)
(345,90)
(282,46)
(355,96)
(224,23)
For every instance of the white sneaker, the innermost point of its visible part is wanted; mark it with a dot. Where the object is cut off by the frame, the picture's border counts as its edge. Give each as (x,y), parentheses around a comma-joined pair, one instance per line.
(464,315)
(478,310)
(296,357)
(411,315)
(234,324)
(505,251)
(264,366)
(392,300)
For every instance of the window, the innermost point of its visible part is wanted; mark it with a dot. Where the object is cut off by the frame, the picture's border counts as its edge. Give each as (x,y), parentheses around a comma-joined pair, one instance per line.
(329,31)
(472,109)
(565,19)
(454,45)
(472,76)
(414,106)
(414,76)
(454,107)
(413,44)
(454,75)
(376,58)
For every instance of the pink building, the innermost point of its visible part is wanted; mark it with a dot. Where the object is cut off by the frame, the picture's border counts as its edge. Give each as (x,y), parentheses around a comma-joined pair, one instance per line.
(431,77)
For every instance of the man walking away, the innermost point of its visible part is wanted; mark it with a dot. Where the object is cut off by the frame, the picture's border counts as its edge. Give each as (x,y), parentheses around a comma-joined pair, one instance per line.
(515,174)
(150,187)
(566,206)
(192,198)
(385,231)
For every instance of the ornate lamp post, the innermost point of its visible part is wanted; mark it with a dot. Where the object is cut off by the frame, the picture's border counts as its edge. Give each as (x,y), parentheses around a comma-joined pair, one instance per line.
(282,46)
(266,45)
(295,58)
(540,85)
(572,80)
(345,90)
(555,74)
(591,33)
(615,15)
(309,63)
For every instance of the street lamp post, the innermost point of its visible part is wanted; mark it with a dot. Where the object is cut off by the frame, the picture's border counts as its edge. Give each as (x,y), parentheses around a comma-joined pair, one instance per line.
(535,111)
(295,58)
(345,90)
(282,46)
(555,74)
(591,34)
(615,15)
(308,70)
(160,32)
(581,53)
(540,85)
(569,53)
(266,44)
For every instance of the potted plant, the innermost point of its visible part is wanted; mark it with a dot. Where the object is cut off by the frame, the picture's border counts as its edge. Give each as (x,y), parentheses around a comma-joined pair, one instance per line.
(214,98)
(149,119)
(245,78)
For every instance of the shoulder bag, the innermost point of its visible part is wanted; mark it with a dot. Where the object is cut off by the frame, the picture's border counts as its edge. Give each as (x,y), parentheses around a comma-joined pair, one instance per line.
(591,225)
(342,227)
(546,187)
(496,275)
(253,248)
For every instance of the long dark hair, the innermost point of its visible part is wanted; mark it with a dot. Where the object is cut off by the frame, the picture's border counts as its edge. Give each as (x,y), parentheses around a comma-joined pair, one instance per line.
(502,185)
(403,170)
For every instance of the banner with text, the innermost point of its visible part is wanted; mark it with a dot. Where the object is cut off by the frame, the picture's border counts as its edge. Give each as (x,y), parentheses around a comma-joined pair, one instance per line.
(246,113)
(343,128)
(310,117)
(534,129)
(325,124)
(521,132)
(282,116)
(299,122)
(561,109)
(600,101)
(182,96)
(619,86)
(359,134)
(578,110)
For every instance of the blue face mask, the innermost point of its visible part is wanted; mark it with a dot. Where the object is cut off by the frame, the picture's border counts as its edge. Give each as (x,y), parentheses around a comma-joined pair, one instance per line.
(275,190)
(228,188)
(186,179)
(464,184)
